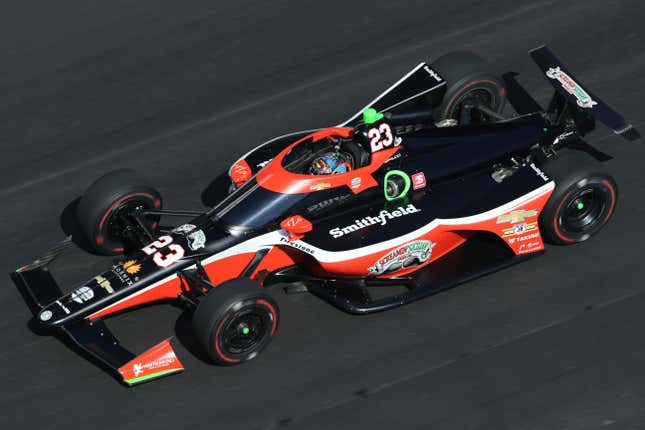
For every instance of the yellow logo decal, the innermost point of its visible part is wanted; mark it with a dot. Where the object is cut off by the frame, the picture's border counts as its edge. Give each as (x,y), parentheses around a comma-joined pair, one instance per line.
(516,216)
(132,267)
(320,186)
(104,283)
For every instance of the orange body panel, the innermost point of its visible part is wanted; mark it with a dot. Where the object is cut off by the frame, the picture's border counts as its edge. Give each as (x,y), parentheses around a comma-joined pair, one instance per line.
(227,268)
(168,290)
(276,259)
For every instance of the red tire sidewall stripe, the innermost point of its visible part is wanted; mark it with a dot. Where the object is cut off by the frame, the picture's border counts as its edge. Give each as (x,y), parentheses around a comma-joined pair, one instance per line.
(555,220)
(118,202)
(100,239)
(463,90)
(273,312)
(607,184)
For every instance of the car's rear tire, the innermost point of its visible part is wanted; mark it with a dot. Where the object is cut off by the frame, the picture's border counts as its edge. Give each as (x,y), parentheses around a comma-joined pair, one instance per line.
(105,203)
(235,321)
(583,201)
(469,80)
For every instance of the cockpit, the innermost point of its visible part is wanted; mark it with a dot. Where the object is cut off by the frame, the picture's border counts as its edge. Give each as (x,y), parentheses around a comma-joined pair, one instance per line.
(329,155)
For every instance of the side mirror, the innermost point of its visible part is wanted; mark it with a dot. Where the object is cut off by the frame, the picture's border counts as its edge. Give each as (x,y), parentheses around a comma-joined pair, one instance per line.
(297,226)
(240,172)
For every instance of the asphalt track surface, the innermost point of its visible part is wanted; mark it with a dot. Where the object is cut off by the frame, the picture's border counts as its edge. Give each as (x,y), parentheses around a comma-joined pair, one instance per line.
(179,89)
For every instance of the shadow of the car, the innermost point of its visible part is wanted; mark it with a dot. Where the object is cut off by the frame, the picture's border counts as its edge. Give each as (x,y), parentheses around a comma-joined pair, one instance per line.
(185,336)
(69,225)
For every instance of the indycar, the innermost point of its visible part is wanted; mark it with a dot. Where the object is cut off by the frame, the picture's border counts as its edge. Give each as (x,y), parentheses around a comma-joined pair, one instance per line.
(427,187)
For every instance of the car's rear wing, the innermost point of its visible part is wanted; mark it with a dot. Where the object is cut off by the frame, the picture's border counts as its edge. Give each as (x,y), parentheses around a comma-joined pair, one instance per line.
(91,337)
(576,96)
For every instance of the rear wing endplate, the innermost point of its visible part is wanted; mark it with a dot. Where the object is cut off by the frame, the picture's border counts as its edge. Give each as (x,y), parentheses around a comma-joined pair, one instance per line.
(576,94)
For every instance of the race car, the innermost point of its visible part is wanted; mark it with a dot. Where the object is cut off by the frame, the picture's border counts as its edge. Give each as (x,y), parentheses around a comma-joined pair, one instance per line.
(429,186)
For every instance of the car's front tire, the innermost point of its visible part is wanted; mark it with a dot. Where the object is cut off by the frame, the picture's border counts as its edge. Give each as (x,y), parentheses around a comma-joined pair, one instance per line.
(235,321)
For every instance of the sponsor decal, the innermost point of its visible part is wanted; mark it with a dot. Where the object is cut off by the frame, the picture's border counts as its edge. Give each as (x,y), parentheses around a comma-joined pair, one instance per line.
(381,219)
(432,73)
(528,237)
(122,275)
(83,294)
(132,267)
(525,248)
(516,216)
(264,163)
(563,136)
(326,203)
(196,240)
(183,229)
(583,99)
(158,361)
(392,158)
(320,186)
(524,238)
(104,283)
(46,315)
(63,307)
(356,182)
(520,228)
(296,245)
(418,181)
(139,368)
(408,255)
(539,172)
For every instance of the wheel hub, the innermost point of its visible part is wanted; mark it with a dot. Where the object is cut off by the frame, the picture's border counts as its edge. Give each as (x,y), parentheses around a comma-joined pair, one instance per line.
(583,210)
(245,331)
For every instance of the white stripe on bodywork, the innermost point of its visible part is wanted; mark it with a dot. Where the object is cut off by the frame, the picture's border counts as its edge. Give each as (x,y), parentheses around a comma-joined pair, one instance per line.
(269,240)
(380,96)
(413,97)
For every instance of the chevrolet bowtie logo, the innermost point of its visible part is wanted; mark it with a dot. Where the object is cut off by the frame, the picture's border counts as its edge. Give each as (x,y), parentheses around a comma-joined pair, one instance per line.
(516,216)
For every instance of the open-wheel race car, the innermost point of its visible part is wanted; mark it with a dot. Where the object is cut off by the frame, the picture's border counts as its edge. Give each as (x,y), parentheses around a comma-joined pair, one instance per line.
(429,186)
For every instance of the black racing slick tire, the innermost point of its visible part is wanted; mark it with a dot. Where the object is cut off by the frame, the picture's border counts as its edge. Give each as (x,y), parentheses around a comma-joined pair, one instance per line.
(104,207)
(583,201)
(235,321)
(469,82)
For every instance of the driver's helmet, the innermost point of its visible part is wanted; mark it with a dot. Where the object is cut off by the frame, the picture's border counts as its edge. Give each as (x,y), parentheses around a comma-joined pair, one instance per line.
(329,164)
